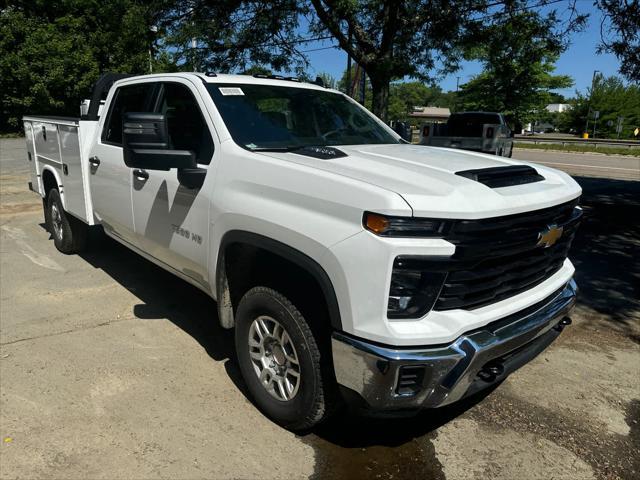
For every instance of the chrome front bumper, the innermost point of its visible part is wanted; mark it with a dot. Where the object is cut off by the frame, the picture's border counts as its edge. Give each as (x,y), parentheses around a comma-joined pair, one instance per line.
(444,374)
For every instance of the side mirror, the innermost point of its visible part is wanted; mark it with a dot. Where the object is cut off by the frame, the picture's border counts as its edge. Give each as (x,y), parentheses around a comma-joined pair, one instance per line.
(145,144)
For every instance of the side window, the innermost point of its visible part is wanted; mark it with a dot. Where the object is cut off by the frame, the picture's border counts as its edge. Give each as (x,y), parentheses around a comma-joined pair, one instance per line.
(186,125)
(130,98)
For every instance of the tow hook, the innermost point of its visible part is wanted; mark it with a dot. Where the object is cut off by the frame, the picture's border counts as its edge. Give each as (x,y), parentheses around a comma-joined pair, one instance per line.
(490,371)
(563,323)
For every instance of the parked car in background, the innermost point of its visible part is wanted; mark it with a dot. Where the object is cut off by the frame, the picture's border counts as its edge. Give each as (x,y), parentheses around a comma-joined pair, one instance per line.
(477,131)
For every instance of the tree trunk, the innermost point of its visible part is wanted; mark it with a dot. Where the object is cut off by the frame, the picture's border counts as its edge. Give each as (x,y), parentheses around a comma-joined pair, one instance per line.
(380,94)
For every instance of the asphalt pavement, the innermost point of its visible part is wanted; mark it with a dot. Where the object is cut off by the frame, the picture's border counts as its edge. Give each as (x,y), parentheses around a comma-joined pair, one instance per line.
(111,368)
(620,167)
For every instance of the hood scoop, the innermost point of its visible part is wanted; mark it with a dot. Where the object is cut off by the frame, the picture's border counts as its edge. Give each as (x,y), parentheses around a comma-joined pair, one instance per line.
(497,177)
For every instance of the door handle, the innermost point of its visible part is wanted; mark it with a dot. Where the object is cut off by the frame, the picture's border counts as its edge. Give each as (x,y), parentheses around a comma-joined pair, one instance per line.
(94,161)
(140,174)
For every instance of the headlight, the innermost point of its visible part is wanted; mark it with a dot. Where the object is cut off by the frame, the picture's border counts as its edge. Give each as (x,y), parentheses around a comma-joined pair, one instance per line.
(413,290)
(386,226)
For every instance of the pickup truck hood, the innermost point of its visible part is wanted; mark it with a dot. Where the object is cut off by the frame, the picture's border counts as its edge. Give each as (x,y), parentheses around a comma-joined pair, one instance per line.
(425,177)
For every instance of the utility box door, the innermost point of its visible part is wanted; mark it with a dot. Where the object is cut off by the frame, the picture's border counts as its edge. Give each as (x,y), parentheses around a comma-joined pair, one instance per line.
(74,187)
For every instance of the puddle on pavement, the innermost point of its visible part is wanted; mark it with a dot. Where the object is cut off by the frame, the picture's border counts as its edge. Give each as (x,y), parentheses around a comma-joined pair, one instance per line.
(414,459)
(372,448)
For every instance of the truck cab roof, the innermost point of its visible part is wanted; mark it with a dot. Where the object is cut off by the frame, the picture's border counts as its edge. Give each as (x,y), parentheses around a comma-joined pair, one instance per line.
(214,78)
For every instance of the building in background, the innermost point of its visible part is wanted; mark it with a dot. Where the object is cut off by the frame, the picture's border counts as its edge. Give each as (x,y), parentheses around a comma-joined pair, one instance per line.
(430,114)
(558,107)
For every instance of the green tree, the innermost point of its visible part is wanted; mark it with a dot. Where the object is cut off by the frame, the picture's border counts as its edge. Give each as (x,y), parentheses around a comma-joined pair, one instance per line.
(51,53)
(328,80)
(406,95)
(621,34)
(234,35)
(257,70)
(518,54)
(612,99)
(390,39)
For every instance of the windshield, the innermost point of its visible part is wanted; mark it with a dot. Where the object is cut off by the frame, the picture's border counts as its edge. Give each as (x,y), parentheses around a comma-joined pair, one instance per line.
(265,117)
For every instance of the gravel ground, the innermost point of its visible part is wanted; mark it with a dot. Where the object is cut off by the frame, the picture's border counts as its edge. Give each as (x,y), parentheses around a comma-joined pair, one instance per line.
(111,368)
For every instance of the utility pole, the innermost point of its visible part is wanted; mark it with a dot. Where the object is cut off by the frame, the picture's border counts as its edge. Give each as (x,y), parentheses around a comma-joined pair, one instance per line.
(457,88)
(593,81)
(194,53)
(154,30)
(349,66)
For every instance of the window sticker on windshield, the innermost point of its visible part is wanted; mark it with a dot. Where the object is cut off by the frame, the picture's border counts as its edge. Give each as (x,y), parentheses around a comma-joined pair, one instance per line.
(230,91)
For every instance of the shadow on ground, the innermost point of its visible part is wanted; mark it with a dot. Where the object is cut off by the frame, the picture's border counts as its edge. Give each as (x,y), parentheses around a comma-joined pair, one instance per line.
(358,447)
(162,295)
(349,446)
(605,251)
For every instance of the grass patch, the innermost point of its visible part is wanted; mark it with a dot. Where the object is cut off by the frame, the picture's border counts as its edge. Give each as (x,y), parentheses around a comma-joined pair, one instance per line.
(634,152)
(12,135)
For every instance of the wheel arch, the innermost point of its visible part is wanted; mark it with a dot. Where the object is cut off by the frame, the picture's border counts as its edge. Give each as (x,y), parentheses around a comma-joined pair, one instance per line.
(51,180)
(226,306)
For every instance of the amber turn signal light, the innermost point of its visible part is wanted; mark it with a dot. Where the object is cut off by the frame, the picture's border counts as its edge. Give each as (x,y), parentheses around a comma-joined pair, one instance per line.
(376,223)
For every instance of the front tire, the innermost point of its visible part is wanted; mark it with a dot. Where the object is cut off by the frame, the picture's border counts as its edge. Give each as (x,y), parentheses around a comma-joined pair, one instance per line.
(69,234)
(280,360)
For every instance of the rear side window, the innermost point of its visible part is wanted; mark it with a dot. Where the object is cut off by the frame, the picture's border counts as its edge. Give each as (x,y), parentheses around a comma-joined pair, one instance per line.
(185,123)
(130,98)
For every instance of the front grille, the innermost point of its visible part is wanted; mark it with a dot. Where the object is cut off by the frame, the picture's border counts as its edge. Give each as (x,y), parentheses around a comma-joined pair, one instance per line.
(498,258)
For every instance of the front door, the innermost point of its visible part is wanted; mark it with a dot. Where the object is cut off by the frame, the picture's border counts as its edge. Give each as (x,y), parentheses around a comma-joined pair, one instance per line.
(110,178)
(172,221)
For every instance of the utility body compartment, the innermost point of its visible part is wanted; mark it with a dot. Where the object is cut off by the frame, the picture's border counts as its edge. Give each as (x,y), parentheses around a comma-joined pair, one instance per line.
(54,145)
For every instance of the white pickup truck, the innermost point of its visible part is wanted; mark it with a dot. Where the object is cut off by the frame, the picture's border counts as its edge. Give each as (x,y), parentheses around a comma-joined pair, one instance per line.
(485,132)
(352,265)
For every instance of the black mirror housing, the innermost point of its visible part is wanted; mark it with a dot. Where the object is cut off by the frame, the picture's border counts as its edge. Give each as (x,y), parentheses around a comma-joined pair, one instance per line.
(146,144)
(192,178)
(149,159)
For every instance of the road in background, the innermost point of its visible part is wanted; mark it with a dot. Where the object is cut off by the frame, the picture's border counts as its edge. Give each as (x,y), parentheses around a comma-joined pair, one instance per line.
(112,368)
(618,167)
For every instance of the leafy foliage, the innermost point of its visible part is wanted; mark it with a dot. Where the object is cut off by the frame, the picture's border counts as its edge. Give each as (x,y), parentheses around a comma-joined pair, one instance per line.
(620,33)
(518,55)
(397,39)
(234,35)
(51,53)
(613,99)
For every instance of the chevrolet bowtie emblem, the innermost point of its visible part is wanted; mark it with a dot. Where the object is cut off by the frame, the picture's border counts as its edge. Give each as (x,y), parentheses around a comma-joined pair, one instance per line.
(549,236)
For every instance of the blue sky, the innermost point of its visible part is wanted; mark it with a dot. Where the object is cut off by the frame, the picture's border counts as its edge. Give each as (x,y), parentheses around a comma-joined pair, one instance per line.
(579,61)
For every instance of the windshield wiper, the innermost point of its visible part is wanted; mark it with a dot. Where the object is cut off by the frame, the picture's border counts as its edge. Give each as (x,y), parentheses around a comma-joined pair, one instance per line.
(323,152)
(290,148)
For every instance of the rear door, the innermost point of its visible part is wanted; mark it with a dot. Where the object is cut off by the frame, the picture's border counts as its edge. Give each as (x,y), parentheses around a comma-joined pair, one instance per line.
(31,156)
(111,179)
(172,221)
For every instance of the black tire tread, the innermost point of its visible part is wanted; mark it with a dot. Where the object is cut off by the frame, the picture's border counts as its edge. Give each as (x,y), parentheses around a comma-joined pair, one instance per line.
(321,407)
(75,232)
